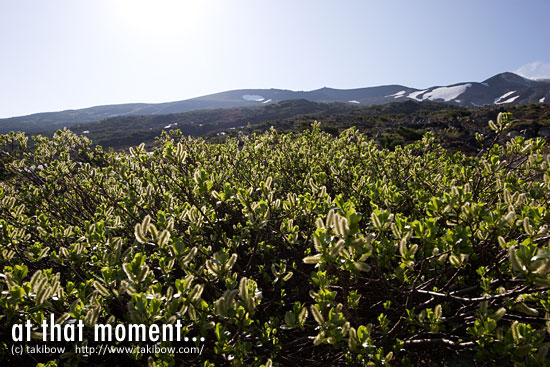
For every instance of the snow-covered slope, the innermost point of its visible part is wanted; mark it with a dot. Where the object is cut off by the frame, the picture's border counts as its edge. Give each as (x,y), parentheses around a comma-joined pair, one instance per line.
(503,88)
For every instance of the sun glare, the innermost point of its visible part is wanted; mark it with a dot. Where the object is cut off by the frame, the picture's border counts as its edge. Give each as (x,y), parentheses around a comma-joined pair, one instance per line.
(159,17)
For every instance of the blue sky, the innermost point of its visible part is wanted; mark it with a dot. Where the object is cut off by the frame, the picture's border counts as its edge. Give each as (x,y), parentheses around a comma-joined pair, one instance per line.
(63,54)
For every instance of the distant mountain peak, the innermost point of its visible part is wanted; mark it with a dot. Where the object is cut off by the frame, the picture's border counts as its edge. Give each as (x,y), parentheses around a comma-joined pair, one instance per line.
(509,77)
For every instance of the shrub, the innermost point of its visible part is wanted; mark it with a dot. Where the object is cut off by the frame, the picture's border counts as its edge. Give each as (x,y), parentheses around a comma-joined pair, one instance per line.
(280,249)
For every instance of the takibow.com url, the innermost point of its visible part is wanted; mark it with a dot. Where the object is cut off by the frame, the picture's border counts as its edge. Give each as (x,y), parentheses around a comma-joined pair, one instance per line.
(104,349)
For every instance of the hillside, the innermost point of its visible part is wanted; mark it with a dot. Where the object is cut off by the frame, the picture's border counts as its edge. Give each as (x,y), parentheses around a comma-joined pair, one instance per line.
(124,131)
(390,124)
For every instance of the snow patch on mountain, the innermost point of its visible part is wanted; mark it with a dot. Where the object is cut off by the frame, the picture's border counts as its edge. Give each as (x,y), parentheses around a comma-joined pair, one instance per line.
(399,94)
(267,101)
(354,101)
(509,100)
(500,99)
(447,93)
(542,100)
(414,95)
(253,97)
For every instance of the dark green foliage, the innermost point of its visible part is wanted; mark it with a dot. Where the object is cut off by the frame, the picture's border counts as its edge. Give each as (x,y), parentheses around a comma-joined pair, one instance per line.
(410,134)
(392,124)
(284,249)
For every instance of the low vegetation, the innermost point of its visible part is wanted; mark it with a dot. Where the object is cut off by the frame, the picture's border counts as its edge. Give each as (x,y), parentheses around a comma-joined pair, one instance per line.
(283,248)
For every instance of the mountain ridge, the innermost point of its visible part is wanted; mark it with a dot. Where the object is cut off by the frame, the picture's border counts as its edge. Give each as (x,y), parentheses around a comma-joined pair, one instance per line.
(503,88)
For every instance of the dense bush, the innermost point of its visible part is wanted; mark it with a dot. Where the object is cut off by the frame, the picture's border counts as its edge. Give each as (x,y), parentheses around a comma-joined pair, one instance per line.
(283,249)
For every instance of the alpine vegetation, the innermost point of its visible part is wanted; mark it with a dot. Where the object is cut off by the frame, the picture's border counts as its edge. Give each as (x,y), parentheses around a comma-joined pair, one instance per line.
(279,249)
